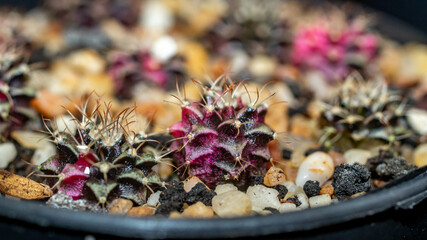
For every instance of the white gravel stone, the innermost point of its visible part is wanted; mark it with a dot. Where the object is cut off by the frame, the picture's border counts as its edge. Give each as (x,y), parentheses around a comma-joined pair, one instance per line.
(320,200)
(417,118)
(357,156)
(318,166)
(66,123)
(154,199)
(302,197)
(287,207)
(231,204)
(290,186)
(263,197)
(7,154)
(225,188)
(43,154)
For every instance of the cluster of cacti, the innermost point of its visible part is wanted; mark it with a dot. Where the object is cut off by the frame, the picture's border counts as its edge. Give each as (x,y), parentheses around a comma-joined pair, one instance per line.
(128,70)
(91,13)
(222,139)
(334,51)
(104,159)
(15,95)
(254,29)
(364,110)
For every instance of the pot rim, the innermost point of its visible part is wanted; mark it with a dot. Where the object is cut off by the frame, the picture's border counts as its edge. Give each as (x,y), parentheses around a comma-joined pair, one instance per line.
(402,193)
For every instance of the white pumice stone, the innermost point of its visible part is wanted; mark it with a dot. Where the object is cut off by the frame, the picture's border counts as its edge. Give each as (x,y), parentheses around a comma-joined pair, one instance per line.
(154,199)
(263,197)
(318,166)
(223,188)
(320,200)
(287,207)
(290,186)
(7,154)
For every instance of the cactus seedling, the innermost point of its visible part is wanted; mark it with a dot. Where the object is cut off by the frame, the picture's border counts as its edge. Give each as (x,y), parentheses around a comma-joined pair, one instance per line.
(222,139)
(15,96)
(364,110)
(104,160)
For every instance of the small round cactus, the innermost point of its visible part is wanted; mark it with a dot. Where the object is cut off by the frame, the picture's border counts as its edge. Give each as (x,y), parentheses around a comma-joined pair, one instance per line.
(104,159)
(221,139)
(128,70)
(364,110)
(15,95)
(334,51)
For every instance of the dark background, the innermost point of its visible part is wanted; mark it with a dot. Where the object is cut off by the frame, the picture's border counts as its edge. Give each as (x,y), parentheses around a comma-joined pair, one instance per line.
(413,12)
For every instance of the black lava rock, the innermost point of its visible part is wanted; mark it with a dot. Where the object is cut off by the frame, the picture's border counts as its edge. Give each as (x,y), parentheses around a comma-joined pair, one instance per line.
(311,188)
(200,193)
(294,200)
(282,191)
(272,210)
(350,179)
(172,198)
(257,180)
(286,154)
(387,167)
(394,168)
(313,150)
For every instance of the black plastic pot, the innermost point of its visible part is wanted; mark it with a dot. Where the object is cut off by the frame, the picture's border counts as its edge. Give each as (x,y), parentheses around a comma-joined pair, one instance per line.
(334,221)
(395,212)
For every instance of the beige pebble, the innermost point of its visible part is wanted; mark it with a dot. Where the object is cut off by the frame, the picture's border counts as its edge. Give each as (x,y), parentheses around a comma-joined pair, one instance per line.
(420,155)
(198,210)
(290,186)
(320,200)
(223,188)
(318,166)
(141,211)
(327,189)
(274,177)
(120,206)
(357,156)
(43,154)
(263,197)
(8,154)
(231,204)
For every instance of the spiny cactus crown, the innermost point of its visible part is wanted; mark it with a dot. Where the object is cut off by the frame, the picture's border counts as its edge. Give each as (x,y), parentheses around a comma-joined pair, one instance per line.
(221,139)
(104,160)
(15,95)
(364,110)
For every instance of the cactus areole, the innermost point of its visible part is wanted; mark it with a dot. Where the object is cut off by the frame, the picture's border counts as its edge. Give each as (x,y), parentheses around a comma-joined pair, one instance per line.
(221,139)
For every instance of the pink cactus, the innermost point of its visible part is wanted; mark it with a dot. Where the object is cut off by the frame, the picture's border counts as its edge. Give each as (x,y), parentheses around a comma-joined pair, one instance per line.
(221,139)
(128,70)
(334,54)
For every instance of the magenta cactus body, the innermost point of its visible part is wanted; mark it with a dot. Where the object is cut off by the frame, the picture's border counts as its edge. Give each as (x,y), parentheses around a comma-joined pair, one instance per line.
(128,70)
(334,54)
(221,139)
